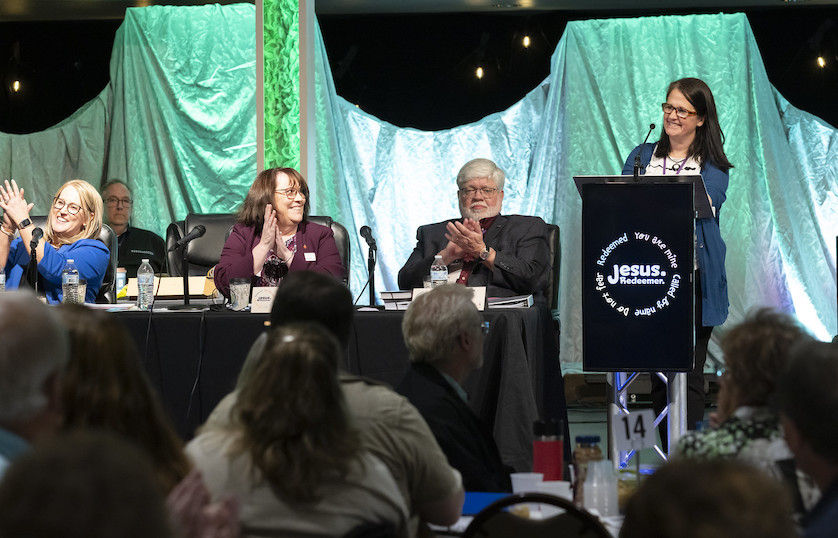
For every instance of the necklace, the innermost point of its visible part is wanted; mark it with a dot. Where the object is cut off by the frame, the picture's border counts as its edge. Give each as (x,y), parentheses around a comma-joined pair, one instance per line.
(675,163)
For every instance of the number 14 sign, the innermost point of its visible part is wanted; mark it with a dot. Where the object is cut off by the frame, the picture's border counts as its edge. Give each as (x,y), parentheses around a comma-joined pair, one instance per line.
(635,430)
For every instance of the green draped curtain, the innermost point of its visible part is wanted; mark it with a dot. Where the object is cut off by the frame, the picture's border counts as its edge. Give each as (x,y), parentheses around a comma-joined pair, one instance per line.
(178,122)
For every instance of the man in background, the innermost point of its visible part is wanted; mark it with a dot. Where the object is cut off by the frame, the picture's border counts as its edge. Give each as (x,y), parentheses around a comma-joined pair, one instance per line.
(808,403)
(443,332)
(134,243)
(32,356)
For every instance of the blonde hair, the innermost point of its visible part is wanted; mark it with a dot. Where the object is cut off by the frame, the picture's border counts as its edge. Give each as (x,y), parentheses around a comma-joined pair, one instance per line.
(91,211)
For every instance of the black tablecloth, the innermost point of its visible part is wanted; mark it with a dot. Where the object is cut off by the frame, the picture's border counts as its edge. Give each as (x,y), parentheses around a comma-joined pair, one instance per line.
(193,358)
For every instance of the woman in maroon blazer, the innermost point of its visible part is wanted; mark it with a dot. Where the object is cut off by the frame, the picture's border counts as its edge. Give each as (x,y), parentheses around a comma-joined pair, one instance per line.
(272,236)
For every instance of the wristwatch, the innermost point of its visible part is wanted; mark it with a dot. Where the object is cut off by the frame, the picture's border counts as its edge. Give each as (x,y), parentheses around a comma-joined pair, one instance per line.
(25,223)
(484,254)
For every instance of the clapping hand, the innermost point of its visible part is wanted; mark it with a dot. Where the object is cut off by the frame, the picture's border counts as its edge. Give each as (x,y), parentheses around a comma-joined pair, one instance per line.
(13,204)
(466,235)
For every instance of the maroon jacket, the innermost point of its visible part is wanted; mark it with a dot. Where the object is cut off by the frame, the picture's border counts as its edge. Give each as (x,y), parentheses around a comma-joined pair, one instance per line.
(237,255)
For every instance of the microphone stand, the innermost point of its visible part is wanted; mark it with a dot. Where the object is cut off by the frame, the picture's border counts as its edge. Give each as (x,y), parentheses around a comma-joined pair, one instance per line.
(184,269)
(371,271)
(33,263)
(638,167)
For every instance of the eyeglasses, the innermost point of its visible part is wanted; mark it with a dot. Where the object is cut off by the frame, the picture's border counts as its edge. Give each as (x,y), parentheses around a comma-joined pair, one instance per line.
(487,192)
(113,201)
(291,193)
(59,203)
(484,327)
(682,113)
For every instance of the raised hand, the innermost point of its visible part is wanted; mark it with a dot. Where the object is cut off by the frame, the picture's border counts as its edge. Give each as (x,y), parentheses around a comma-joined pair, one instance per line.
(14,204)
(467,235)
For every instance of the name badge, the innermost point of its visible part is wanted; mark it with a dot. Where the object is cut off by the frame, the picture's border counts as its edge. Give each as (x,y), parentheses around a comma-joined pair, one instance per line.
(310,256)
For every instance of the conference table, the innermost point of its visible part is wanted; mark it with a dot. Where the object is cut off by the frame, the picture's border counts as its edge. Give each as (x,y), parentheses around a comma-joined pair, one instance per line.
(193,358)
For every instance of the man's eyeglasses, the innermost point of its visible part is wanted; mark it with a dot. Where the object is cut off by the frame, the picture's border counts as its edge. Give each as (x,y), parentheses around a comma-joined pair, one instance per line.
(291,193)
(487,192)
(113,201)
(682,113)
(59,203)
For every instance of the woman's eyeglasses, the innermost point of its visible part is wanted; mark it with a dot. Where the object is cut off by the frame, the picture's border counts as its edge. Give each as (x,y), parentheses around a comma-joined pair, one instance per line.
(682,113)
(291,193)
(59,203)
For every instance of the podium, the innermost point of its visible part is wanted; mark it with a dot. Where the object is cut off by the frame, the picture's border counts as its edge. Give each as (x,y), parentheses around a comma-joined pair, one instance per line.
(638,259)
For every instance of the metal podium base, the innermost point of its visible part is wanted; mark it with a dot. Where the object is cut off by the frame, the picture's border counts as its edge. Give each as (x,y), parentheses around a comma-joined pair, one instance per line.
(675,411)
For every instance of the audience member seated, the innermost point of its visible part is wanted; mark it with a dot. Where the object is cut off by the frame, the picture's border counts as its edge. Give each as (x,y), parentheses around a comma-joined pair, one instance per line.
(135,244)
(71,232)
(32,357)
(106,388)
(273,237)
(808,403)
(390,427)
(702,499)
(290,454)
(507,253)
(756,352)
(82,485)
(443,332)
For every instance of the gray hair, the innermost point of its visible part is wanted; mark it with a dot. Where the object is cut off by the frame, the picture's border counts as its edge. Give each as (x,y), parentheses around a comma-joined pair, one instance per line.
(481,168)
(435,319)
(35,346)
(113,182)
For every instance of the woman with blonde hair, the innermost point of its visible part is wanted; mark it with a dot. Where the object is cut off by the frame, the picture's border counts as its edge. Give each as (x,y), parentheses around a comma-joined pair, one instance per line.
(71,233)
(290,455)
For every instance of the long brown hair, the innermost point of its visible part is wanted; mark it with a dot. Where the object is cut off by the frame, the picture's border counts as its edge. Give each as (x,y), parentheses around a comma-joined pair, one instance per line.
(104,387)
(294,420)
(261,193)
(708,144)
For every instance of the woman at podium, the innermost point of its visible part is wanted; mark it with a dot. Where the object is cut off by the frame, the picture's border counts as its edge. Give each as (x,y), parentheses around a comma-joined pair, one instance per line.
(691,143)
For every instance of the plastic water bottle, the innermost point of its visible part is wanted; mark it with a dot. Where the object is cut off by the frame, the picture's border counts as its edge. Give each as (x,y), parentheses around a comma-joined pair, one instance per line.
(2,280)
(70,284)
(439,272)
(145,285)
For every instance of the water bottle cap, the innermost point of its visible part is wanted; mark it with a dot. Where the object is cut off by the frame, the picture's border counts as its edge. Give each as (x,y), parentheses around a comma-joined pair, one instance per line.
(70,260)
(145,260)
(587,439)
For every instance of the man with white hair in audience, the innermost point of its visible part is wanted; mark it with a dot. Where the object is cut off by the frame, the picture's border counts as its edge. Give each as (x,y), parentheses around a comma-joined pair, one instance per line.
(32,356)
(443,332)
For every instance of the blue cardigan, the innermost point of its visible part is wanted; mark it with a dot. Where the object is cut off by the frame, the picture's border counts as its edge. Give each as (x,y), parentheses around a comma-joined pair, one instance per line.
(90,256)
(710,247)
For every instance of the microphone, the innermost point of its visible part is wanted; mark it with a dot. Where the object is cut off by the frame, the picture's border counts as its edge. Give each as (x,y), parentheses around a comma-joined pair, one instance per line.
(197,231)
(37,234)
(366,233)
(638,167)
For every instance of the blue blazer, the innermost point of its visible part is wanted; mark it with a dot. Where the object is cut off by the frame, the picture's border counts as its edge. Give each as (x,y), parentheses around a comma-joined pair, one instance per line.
(710,247)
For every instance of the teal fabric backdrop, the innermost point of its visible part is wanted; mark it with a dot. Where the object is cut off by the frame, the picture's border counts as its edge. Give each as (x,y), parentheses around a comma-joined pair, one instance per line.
(178,122)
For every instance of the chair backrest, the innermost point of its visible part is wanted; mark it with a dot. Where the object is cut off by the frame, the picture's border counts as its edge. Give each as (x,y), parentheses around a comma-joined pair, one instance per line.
(554,241)
(341,239)
(107,293)
(496,521)
(204,252)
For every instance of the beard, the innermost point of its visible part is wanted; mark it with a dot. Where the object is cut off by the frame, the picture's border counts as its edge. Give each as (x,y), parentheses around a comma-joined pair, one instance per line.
(489,211)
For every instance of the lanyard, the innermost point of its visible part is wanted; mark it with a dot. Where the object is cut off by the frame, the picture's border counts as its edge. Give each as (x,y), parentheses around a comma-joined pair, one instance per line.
(679,168)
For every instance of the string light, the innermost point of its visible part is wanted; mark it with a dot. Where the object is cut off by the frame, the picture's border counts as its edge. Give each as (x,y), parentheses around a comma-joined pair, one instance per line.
(16,86)
(526,42)
(479,72)
(821,62)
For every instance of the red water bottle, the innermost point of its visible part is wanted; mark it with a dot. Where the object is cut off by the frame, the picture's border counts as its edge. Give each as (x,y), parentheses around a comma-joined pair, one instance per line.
(548,449)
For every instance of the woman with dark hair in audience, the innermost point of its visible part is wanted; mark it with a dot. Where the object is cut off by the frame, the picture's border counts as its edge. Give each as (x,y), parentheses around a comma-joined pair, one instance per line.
(273,236)
(71,232)
(290,455)
(105,388)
